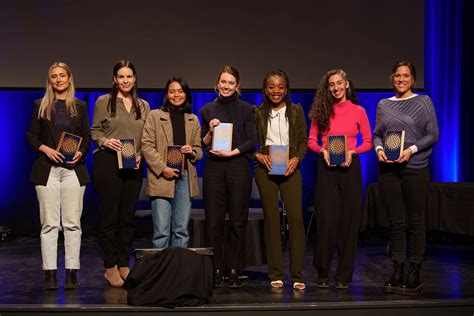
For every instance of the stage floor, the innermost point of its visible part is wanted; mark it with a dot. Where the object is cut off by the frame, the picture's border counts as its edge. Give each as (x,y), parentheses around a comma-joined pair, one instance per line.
(448,275)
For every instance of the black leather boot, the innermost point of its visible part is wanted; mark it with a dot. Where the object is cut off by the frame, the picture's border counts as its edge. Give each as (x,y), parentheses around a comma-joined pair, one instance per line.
(234,280)
(71,280)
(50,281)
(412,284)
(218,278)
(393,285)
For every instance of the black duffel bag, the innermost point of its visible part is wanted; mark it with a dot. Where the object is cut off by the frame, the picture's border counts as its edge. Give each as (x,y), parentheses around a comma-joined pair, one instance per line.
(171,277)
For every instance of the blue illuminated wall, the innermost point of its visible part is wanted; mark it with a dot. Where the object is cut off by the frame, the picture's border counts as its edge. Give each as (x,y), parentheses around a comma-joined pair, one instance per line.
(445,74)
(18,205)
(443,67)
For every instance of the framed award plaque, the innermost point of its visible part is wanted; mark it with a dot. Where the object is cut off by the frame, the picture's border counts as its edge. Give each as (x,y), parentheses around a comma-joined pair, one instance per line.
(127,156)
(68,145)
(279,158)
(222,139)
(337,147)
(393,144)
(175,159)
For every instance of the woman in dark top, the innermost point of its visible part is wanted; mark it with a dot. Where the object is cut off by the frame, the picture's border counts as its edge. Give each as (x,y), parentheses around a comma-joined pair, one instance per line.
(227,179)
(281,123)
(404,181)
(59,185)
(118,115)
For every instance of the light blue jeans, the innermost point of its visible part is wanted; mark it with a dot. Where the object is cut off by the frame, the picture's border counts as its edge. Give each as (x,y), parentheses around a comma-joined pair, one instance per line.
(171,216)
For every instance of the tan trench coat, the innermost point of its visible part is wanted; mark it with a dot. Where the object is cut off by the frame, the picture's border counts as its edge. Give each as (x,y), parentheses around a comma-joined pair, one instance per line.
(157,135)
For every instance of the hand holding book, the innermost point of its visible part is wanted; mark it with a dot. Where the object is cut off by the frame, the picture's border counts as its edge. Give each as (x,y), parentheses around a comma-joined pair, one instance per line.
(264,160)
(291,166)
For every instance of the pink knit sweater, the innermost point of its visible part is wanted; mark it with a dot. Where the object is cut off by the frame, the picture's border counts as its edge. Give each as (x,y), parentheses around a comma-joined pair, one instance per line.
(349,119)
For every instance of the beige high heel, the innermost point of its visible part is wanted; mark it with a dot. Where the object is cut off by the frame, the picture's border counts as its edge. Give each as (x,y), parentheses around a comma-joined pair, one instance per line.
(112,277)
(124,271)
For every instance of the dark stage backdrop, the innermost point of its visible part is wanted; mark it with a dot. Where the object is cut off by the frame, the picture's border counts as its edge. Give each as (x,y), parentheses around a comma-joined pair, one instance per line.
(194,39)
(448,77)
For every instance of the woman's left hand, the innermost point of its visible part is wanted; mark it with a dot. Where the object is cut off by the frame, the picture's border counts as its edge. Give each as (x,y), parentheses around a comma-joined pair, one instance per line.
(221,153)
(404,156)
(291,166)
(76,158)
(187,150)
(348,161)
(138,160)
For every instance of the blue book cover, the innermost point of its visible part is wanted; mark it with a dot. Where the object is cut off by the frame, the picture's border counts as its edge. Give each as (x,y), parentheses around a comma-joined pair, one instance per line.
(175,159)
(68,145)
(222,139)
(127,156)
(279,158)
(393,144)
(337,147)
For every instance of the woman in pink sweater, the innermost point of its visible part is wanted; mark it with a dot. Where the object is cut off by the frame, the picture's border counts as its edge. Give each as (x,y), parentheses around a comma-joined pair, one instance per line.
(338,188)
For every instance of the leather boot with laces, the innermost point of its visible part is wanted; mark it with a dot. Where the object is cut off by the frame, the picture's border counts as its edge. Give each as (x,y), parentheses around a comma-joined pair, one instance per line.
(412,284)
(393,285)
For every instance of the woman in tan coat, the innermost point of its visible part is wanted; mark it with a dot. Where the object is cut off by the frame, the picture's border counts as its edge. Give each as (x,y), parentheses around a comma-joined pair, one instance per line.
(171,190)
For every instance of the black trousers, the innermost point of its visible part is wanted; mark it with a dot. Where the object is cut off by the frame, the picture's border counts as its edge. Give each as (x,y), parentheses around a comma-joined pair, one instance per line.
(338,207)
(226,188)
(118,192)
(404,193)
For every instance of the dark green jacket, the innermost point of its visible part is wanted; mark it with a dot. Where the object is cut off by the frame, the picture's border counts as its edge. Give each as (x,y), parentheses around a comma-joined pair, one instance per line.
(297,129)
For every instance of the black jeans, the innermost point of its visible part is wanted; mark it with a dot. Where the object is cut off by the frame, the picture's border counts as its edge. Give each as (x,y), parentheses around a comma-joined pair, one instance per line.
(226,189)
(118,192)
(404,193)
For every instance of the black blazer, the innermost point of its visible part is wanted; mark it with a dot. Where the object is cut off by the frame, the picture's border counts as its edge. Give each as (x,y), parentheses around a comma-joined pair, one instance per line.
(41,132)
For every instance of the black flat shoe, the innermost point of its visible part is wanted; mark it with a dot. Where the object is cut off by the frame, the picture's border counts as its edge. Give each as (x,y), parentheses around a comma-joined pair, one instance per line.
(71,280)
(234,280)
(322,283)
(342,285)
(218,278)
(50,281)
(396,280)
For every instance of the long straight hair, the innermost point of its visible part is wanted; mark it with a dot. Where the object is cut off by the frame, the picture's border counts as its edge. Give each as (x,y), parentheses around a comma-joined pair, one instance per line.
(46,108)
(187,91)
(112,106)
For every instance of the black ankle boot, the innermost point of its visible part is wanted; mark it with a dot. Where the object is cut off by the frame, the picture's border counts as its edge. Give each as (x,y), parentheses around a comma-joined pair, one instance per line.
(412,284)
(218,278)
(234,280)
(50,282)
(393,285)
(71,279)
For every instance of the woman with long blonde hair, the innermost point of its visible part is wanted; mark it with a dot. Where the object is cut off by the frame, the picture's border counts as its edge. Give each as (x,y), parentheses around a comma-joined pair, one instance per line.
(59,185)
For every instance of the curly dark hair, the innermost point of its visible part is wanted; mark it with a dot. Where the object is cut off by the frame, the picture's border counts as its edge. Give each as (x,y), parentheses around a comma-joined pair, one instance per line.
(266,104)
(322,108)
